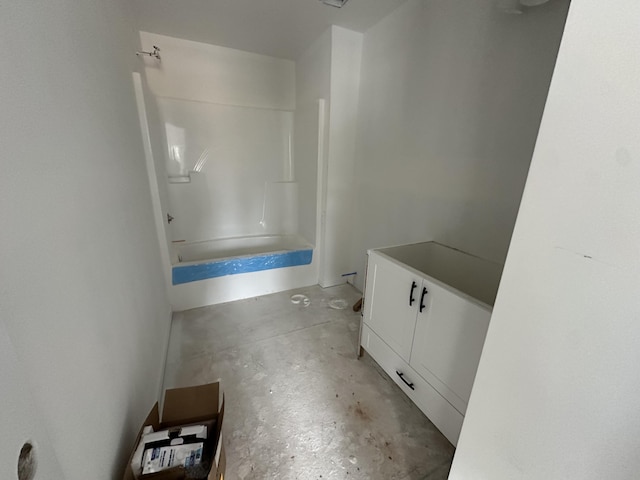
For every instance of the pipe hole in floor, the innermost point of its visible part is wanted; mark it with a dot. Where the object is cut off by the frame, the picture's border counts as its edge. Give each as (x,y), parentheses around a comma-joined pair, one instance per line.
(27,463)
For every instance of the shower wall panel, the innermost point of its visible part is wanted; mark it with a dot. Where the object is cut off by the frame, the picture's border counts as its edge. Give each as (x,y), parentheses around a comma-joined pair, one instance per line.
(229,170)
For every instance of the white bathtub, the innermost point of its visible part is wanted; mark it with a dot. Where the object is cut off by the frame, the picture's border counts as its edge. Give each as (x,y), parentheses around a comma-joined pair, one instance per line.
(223,270)
(238,247)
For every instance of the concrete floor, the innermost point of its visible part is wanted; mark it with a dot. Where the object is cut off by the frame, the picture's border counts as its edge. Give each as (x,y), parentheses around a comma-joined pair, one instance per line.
(299,405)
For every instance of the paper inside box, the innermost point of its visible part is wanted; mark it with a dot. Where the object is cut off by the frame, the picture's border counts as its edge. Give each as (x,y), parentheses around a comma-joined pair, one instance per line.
(162,458)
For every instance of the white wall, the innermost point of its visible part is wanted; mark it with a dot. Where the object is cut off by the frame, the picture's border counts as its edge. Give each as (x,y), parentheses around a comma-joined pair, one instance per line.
(210,73)
(21,419)
(451,98)
(311,140)
(329,69)
(557,390)
(82,294)
(313,82)
(346,56)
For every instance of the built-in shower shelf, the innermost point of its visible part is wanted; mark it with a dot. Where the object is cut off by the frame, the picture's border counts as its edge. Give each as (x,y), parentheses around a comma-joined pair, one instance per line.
(179,179)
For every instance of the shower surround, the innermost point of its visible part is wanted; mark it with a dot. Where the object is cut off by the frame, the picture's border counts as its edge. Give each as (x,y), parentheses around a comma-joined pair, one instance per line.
(231,193)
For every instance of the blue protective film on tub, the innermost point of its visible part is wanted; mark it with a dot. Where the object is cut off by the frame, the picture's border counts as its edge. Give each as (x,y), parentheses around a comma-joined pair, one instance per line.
(232,266)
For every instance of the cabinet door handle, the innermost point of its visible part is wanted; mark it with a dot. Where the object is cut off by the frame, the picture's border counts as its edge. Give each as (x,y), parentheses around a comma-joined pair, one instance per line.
(411,299)
(407,383)
(422,305)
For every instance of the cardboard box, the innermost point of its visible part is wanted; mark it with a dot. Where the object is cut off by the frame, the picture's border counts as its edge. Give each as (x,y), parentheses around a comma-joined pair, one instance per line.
(182,406)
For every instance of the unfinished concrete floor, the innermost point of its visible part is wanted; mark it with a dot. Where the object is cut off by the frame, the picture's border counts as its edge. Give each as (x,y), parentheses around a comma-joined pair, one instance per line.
(299,405)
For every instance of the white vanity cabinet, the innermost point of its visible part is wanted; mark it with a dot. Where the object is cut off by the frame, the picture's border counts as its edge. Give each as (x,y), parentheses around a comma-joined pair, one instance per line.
(426,312)
(391,303)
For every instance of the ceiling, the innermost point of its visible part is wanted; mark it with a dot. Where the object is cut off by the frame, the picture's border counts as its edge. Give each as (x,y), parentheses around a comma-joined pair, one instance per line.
(279,28)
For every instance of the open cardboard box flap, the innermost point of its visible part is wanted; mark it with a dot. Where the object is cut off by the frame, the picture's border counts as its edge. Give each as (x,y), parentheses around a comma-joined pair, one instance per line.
(184,406)
(191,404)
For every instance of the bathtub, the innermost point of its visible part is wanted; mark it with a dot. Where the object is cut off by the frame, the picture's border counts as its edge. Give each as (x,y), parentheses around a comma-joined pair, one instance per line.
(222,270)
(238,247)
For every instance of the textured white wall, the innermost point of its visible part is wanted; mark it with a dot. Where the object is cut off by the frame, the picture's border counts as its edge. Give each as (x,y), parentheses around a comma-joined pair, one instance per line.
(451,98)
(557,390)
(210,73)
(82,295)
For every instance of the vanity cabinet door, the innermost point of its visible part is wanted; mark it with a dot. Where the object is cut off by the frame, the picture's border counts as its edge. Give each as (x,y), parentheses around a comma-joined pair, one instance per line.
(392,296)
(449,336)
